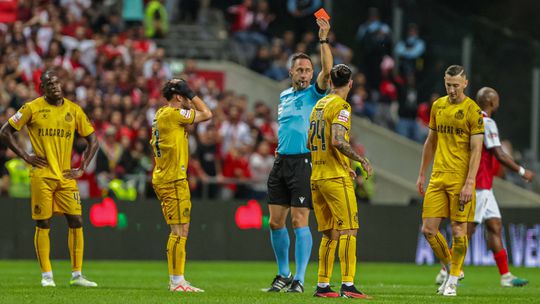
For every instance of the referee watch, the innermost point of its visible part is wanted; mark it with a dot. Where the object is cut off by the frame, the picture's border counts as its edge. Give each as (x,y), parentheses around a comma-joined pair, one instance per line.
(321,41)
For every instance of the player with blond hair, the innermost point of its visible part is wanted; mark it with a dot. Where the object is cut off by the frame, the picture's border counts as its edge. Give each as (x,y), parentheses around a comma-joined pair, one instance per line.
(455,143)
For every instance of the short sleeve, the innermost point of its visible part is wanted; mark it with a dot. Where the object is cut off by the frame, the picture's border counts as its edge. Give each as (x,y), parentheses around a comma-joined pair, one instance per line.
(316,94)
(342,116)
(491,134)
(318,91)
(432,119)
(185,116)
(476,121)
(82,123)
(21,118)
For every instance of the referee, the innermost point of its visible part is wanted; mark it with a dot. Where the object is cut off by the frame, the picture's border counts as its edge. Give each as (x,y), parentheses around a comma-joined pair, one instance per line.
(289,180)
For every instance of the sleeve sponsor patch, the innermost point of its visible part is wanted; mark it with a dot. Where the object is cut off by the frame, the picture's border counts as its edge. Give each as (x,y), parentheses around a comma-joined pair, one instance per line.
(345,113)
(15,118)
(344,116)
(186,113)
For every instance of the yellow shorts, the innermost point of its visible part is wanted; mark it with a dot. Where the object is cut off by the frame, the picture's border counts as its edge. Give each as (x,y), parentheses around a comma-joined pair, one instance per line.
(175,201)
(334,204)
(50,196)
(442,198)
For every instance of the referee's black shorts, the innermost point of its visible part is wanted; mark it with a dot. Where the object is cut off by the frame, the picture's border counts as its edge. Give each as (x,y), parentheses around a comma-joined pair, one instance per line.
(289,181)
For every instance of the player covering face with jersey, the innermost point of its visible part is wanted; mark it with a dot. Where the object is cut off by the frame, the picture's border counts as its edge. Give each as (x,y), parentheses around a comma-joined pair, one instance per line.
(171,152)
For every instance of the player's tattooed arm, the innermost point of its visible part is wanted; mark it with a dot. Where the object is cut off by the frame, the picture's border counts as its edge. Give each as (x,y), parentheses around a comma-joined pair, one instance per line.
(340,143)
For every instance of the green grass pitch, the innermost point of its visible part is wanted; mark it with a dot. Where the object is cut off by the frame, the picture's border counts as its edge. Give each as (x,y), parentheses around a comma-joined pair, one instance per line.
(240,282)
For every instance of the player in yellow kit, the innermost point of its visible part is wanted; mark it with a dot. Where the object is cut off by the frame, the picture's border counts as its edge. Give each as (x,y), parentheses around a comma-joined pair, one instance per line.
(334,201)
(455,140)
(52,121)
(170,144)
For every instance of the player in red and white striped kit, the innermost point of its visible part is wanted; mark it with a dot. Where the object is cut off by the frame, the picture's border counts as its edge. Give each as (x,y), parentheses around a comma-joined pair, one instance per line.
(487,210)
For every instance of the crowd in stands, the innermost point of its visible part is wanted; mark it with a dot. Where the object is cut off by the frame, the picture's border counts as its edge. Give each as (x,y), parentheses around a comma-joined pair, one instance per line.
(383,92)
(114,70)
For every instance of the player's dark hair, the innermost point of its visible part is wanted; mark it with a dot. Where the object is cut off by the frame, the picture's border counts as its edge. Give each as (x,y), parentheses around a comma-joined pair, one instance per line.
(456,70)
(170,88)
(341,75)
(50,72)
(296,56)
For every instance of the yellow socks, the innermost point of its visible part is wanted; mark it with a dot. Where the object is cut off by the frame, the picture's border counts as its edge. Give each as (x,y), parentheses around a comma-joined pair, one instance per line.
(347,257)
(76,248)
(459,250)
(176,254)
(440,248)
(42,244)
(327,253)
(43,248)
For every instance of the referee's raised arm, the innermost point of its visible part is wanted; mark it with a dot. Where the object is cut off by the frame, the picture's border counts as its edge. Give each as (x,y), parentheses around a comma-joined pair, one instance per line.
(326,54)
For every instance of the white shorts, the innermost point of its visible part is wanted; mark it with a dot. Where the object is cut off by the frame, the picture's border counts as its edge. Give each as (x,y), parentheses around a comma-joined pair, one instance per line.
(486,206)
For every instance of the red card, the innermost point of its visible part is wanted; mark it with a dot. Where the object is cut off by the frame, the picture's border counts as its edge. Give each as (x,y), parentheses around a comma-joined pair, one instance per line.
(322,14)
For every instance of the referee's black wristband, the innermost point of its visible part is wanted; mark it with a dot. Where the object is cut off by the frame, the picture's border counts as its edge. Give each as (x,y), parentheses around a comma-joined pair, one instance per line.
(324,41)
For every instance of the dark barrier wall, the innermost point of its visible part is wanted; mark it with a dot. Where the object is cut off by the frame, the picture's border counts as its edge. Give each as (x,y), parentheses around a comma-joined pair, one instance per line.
(387,233)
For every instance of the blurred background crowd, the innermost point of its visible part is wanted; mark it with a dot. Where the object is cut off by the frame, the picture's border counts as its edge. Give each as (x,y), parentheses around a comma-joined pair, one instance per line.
(114,67)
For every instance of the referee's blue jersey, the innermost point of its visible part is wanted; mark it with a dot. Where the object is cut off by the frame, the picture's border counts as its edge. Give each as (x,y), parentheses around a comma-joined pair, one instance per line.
(293,117)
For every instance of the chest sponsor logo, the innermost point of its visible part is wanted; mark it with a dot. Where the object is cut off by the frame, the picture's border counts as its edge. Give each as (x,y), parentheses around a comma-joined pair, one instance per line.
(444,129)
(54,132)
(440,110)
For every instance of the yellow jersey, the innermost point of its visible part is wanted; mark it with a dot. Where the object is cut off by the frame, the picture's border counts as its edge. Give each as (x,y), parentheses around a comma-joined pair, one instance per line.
(170,143)
(327,161)
(51,129)
(454,124)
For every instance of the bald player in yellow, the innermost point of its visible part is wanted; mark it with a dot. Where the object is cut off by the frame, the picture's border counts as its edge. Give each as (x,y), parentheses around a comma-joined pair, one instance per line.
(52,121)
(455,140)
(170,144)
(334,201)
